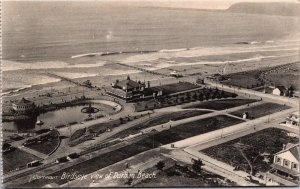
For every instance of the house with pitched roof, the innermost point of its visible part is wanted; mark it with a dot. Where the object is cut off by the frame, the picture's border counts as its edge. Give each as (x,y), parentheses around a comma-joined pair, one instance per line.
(285,167)
(279,90)
(129,90)
(23,106)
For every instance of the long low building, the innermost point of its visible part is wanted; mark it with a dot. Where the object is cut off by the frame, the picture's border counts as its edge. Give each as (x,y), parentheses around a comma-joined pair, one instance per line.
(23,106)
(129,90)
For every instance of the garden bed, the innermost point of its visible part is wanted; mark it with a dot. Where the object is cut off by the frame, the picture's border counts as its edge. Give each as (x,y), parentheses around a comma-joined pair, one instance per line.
(222,104)
(266,141)
(48,145)
(261,110)
(159,120)
(198,95)
(16,159)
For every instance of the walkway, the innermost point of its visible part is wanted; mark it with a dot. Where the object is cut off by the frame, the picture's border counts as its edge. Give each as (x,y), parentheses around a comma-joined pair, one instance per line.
(33,152)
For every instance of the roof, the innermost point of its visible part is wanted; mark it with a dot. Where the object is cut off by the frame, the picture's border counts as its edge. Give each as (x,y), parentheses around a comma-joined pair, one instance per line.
(284,169)
(280,87)
(23,101)
(293,148)
(127,84)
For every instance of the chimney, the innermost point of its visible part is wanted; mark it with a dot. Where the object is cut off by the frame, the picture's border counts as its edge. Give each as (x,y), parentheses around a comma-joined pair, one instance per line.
(283,147)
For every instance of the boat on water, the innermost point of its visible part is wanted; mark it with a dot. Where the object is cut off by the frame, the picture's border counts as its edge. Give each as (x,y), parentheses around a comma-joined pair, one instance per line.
(39,122)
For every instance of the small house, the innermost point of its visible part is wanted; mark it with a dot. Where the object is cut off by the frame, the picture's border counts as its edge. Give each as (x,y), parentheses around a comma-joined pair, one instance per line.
(279,90)
(285,167)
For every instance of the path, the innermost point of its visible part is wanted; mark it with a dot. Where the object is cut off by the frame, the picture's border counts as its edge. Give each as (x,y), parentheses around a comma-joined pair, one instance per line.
(31,151)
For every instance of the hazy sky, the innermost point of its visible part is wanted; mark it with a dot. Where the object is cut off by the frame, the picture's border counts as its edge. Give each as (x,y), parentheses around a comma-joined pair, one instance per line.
(197,4)
(209,4)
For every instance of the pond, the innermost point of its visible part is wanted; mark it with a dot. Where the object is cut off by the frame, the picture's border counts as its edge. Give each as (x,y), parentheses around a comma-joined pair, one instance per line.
(62,116)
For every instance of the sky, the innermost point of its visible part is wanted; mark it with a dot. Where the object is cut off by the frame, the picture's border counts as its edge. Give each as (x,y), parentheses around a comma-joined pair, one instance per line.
(209,4)
(196,4)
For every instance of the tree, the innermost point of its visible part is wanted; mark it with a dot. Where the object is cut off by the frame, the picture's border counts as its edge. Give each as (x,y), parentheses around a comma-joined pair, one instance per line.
(223,94)
(250,157)
(195,96)
(160,165)
(121,120)
(197,165)
(200,97)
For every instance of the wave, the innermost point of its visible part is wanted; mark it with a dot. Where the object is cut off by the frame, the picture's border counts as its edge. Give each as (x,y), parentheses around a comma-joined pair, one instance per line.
(87,55)
(12,65)
(110,53)
(173,50)
(254,42)
(24,87)
(12,91)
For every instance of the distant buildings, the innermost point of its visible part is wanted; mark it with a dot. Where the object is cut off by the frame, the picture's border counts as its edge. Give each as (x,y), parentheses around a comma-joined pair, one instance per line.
(292,120)
(23,106)
(285,167)
(282,91)
(175,74)
(200,81)
(216,77)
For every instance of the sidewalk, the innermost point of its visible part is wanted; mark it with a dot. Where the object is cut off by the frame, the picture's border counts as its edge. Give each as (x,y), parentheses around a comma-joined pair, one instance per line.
(33,152)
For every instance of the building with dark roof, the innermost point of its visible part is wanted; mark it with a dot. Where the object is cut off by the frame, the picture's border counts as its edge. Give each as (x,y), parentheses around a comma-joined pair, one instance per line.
(279,90)
(285,167)
(23,106)
(129,90)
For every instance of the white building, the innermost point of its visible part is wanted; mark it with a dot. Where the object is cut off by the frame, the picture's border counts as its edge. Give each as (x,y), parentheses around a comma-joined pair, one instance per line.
(285,167)
(279,90)
(23,106)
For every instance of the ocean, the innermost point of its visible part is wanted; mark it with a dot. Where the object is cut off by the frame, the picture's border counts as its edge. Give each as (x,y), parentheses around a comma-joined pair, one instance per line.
(48,35)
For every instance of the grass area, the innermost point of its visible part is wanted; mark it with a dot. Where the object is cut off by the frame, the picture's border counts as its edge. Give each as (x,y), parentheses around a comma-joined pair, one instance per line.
(45,147)
(222,104)
(285,75)
(195,128)
(247,79)
(261,110)
(159,120)
(101,127)
(254,145)
(16,159)
(181,176)
(148,142)
(46,143)
(198,95)
(177,87)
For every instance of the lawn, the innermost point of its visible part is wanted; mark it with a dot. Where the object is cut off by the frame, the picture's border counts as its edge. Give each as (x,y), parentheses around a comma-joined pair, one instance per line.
(198,95)
(178,176)
(247,79)
(222,104)
(16,159)
(177,87)
(147,143)
(285,75)
(261,110)
(195,128)
(47,145)
(269,140)
(159,120)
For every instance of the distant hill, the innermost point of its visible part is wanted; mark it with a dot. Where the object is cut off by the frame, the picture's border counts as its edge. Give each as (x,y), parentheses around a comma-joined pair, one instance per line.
(280,9)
